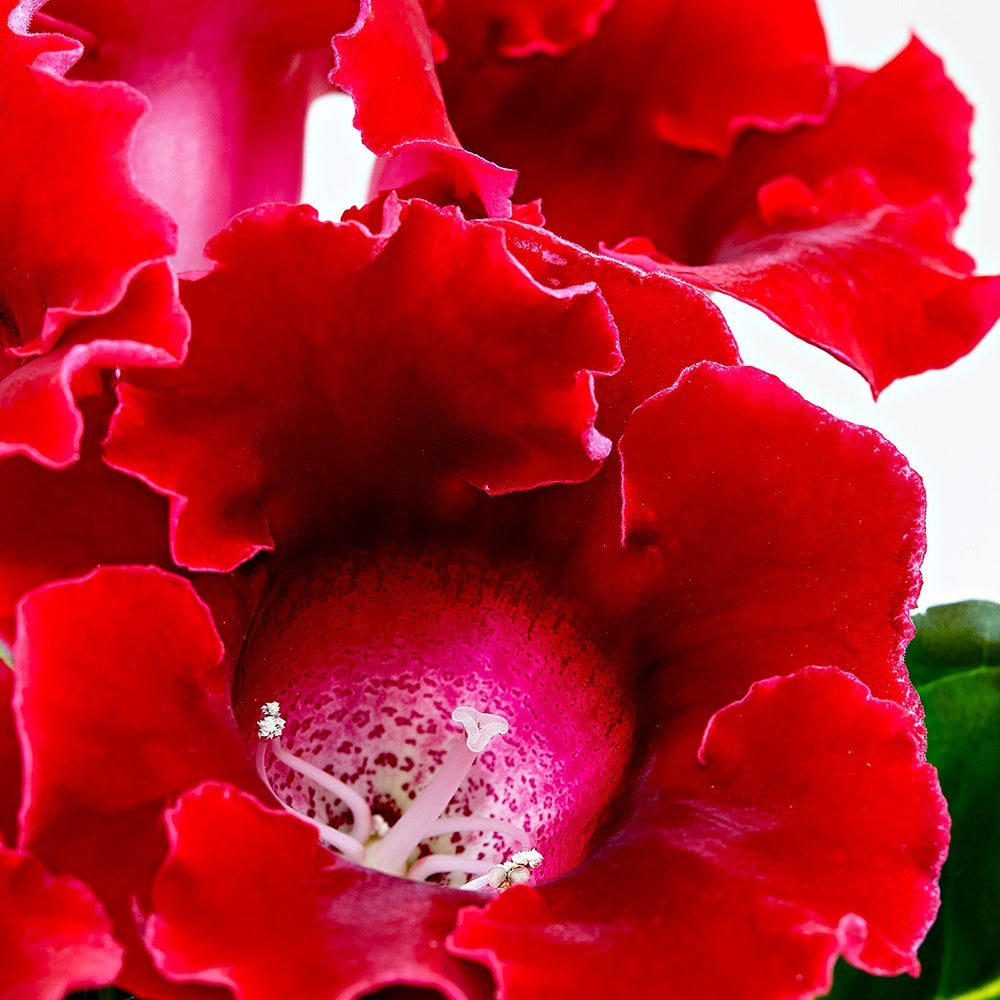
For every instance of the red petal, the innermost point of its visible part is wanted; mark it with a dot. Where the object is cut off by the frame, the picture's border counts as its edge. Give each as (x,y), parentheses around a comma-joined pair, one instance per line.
(10,761)
(131,651)
(589,152)
(771,536)
(663,326)
(38,412)
(689,72)
(249,900)
(518,28)
(67,522)
(289,398)
(73,239)
(814,828)
(880,287)
(229,86)
(54,936)
(386,63)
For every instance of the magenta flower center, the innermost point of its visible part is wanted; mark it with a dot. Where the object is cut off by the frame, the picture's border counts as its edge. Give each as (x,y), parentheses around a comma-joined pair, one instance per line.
(440,716)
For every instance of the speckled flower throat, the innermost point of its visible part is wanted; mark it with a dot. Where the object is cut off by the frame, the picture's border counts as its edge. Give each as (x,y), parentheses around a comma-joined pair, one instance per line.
(436,716)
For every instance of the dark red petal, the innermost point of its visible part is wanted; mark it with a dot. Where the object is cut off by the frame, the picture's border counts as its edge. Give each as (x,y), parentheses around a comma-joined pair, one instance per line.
(814,827)
(131,653)
(691,73)
(386,63)
(880,287)
(38,411)
(364,369)
(771,536)
(64,523)
(663,326)
(10,760)
(249,900)
(54,936)
(518,28)
(73,238)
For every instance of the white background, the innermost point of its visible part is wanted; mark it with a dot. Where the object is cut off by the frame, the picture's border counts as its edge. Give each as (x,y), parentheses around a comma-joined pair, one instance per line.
(944,422)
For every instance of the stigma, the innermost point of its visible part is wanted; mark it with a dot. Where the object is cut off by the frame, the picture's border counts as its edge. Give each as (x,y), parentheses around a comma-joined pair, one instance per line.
(396,849)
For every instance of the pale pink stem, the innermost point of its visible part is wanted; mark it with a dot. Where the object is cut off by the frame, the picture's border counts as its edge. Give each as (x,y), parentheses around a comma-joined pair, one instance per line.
(473,824)
(337,839)
(361,814)
(437,864)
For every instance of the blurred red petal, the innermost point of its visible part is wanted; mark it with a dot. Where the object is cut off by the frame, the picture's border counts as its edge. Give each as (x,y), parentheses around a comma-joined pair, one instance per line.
(229,86)
(691,73)
(73,239)
(519,28)
(86,656)
(54,936)
(10,760)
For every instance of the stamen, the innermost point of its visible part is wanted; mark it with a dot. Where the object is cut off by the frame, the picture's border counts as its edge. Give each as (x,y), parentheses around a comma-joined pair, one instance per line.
(337,839)
(516,870)
(474,824)
(269,728)
(390,854)
(439,864)
(361,829)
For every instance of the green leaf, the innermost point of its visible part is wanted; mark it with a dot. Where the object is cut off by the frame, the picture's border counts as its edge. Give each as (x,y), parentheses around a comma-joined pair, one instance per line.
(955,662)
(6,657)
(954,638)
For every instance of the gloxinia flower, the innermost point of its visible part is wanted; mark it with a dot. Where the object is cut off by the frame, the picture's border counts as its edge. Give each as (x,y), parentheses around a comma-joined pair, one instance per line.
(648,705)
(459,613)
(712,139)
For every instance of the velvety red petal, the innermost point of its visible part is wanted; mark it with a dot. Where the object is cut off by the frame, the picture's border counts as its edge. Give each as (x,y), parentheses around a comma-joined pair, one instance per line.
(133,652)
(386,63)
(663,326)
(878,286)
(38,411)
(812,827)
(518,28)
(64,523)
(10,761)
(289,398)
(73,239)
(770,535)
(54,936)
(249,900)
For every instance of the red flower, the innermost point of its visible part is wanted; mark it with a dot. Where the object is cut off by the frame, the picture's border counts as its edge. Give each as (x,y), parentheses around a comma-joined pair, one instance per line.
(345,429)
(415,468)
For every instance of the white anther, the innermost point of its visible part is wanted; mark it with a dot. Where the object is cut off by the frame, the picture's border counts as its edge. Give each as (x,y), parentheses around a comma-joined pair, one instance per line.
(270,725)
(480,727)
(497,877)
(529,859)
(516,870)
(380,826)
